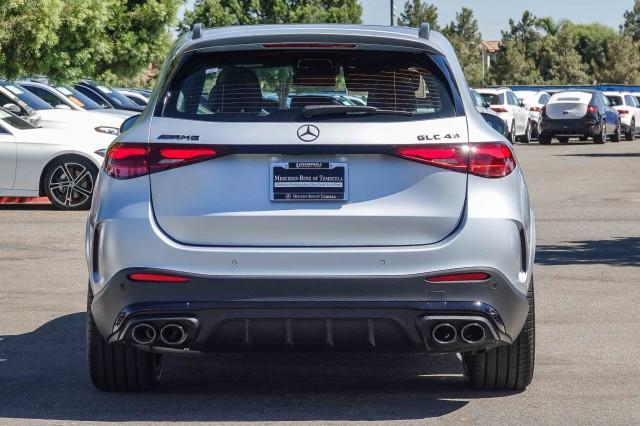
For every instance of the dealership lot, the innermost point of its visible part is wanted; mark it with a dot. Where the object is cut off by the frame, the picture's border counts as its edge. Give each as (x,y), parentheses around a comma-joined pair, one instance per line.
(587,203)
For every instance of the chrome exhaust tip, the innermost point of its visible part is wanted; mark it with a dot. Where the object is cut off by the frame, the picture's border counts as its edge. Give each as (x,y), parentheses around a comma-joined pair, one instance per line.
(473,333)
(143,334)
(173,334)
(444,333)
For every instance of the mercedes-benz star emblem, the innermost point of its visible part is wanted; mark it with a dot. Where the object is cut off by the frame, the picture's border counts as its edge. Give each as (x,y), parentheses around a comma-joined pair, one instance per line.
(308,133)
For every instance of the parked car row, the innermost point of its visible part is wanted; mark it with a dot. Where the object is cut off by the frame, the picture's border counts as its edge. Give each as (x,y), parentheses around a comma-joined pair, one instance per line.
(586,114)
(53,138)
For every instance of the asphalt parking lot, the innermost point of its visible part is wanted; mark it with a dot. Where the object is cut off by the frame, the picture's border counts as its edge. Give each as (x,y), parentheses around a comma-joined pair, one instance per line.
(587,203)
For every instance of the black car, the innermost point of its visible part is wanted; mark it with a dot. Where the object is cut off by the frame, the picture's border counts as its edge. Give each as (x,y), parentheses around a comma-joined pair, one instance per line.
(582,113)
(105,96)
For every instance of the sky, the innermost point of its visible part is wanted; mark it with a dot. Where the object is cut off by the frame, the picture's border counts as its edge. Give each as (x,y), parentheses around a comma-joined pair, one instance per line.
(493,15)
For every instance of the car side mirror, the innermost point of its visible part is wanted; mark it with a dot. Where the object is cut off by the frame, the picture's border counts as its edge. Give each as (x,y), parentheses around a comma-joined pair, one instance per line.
(486,104)
(63,106)
(496,123)
(521,104)
(128,123)
(11,107)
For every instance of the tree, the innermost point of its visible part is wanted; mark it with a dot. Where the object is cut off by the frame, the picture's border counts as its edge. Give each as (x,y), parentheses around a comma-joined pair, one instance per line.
(565,63)
(592,41)
(416,12)
(216,13)
(465,37)
(516,62)
(631,25)
(621,68)
(69,39)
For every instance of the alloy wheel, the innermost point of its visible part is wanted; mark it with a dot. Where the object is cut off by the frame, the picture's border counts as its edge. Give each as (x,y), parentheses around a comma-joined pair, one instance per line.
(71,184)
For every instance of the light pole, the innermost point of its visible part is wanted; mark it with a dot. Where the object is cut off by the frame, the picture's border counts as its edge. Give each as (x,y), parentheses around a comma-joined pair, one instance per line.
(391,12)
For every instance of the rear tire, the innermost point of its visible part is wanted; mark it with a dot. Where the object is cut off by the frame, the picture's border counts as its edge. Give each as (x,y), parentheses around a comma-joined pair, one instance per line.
(601,137)
(512,133)
(505,367)
(617,135)
(544,139)
(632,130)
(527,134)
(69,182)
(119,367)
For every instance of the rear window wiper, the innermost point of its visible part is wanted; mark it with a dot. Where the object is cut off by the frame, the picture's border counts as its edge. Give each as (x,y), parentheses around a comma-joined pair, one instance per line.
(315,110)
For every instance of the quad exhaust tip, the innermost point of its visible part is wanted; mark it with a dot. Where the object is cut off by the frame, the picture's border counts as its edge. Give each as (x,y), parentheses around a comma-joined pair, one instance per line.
(473,333)
(173,334)
(444,333)
(143,334)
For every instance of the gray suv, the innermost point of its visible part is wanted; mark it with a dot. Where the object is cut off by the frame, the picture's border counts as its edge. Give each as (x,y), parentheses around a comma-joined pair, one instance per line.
(239,212)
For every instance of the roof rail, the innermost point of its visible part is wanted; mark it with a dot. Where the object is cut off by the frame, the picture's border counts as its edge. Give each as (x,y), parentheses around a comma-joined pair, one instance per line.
(425,29)
(197,31)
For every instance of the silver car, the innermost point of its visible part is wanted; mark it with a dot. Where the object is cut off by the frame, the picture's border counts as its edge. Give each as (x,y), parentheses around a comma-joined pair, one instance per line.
(227,221)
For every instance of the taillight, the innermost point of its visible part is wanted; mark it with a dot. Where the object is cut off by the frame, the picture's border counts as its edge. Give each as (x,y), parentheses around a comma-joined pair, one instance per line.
(535,109)
(592,109)
(623,111)
(127,160)
(490,160)
(499,109)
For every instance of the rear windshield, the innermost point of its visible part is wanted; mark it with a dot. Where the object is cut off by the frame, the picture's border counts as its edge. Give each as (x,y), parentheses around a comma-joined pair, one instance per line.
(264,86)
(493,99)
(615,100)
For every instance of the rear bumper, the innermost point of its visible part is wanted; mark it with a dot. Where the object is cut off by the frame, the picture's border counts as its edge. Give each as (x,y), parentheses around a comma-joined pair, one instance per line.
(215,320)
(579,127)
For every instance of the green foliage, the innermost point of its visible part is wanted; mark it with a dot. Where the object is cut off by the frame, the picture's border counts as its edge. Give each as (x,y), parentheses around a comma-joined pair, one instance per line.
(416,12)
(465,37)
(218,13)
(622,68)
(565,63)
(631,25)
(592,41)
(68,39)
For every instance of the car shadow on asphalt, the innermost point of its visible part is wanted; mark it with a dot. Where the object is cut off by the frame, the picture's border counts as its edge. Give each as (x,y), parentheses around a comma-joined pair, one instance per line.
(26,207)
(43,376)
(615,251)
(605,155)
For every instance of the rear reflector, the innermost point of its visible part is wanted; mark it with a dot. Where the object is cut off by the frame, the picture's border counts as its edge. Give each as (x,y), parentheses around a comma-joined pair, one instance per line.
(126,161)
(158,278)
(490,160)
(463,277)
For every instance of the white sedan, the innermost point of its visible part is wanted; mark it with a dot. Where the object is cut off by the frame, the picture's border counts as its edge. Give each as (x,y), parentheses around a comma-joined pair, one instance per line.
(61,164)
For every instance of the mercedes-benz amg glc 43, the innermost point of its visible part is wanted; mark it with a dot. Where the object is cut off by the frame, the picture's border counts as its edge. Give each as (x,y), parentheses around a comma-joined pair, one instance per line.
(310,188)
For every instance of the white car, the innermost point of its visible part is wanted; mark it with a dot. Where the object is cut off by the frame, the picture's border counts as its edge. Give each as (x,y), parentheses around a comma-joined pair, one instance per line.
(64,118)
(511,110)
(628,108)
(67,97)
(534,101)
(135,97)
(61,164)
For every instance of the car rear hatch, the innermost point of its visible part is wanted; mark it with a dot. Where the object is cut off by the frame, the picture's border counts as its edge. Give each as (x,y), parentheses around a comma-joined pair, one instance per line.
(569,106)
(285,174)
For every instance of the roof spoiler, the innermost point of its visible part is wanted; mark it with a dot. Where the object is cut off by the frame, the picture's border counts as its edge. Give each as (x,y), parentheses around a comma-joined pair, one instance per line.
(424,31)
(196,32)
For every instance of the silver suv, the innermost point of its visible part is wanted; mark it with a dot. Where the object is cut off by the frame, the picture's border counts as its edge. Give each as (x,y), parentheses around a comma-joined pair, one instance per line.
(247,210)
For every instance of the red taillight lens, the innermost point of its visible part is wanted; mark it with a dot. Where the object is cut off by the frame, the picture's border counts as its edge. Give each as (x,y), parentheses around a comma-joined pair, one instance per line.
(499,109)
(126,161)
(452,157)
(158,278)
(623,111)
(463,277)
(535,109)
(490,160)
(592,109)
